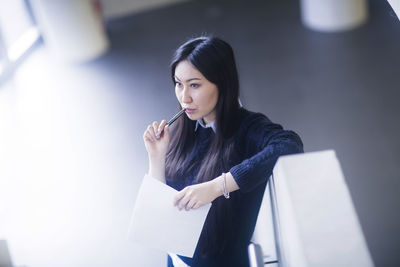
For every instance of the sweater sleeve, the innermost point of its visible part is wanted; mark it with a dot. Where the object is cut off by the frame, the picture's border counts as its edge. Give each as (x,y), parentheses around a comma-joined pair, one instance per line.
(261,143)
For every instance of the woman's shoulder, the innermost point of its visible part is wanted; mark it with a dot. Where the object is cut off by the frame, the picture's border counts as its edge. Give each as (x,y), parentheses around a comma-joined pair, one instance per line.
(256,130)
(250,120)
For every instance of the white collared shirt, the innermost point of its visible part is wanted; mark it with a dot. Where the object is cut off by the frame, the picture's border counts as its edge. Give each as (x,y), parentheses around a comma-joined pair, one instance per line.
(201,123)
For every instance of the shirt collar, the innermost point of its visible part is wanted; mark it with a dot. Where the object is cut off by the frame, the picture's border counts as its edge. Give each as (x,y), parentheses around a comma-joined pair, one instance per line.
(202,124)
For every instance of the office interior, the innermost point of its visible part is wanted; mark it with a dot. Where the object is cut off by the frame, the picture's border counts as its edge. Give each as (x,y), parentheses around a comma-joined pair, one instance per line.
(71,150)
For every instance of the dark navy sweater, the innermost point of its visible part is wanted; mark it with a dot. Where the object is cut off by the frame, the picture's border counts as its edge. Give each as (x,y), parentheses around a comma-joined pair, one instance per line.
(257,145)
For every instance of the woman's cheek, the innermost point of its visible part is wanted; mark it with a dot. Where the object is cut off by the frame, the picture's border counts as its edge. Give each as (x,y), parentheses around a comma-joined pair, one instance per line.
(178,95)
(195,97)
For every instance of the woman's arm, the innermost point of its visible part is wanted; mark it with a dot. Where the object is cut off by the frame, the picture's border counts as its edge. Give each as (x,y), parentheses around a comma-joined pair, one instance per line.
(157,149)
(245,176)
(157,168)
(262,144)
(195,196)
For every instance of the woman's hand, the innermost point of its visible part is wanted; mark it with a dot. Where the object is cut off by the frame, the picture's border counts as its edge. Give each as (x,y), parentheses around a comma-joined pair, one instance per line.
(195,196)
(156,146)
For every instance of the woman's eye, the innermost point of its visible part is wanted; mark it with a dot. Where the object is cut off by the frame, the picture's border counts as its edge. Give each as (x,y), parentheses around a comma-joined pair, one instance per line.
(194,85)
(178,84)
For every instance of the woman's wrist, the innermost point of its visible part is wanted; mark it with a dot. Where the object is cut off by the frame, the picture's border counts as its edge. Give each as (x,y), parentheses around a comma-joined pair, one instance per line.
(157,175)
(157,158)
(157,168)
(216,186)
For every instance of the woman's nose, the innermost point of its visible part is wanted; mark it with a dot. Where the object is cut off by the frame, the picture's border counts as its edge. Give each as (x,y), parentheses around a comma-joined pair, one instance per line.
(186,98)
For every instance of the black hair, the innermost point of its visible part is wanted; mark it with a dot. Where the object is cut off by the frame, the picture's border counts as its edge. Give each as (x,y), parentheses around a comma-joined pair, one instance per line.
(214,58)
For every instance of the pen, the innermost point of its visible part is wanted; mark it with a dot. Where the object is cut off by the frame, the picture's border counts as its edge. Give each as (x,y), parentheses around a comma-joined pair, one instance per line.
(174,118)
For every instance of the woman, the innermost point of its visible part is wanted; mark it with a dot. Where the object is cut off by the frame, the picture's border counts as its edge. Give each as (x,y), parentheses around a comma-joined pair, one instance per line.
(217,152)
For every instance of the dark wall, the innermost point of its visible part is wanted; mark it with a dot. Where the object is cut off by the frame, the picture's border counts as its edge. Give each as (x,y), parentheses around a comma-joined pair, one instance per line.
(337,90)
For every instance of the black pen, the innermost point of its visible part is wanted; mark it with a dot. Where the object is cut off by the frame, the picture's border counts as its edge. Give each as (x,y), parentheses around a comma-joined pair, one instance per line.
(174,118)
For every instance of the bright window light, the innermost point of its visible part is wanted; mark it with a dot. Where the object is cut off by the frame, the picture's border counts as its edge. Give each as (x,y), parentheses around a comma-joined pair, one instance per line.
(23,43)
(18,33)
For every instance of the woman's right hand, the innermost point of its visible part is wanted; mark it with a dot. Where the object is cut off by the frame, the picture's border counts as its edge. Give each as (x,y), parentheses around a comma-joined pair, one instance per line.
(156,147)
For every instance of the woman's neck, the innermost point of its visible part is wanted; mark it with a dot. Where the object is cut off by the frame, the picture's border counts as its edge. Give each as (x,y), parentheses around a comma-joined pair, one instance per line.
(207,122)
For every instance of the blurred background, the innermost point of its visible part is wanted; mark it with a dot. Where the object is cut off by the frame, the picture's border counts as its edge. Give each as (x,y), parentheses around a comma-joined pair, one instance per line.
(80,81)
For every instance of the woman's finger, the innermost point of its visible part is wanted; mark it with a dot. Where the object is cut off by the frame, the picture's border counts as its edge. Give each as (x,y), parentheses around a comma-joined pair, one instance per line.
(190,204)
(184,201)
(166,132)
(150,131)
(179,196)
(155,127)
(163,123)
(182,198)
(147,137)
(197,205)
(160,128)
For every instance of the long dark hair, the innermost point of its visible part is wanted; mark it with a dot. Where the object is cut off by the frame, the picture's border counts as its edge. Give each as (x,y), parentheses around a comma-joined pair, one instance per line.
(214,58)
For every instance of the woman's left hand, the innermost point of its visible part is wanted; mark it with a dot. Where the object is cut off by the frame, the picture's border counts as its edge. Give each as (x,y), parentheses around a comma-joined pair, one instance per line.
(195,196)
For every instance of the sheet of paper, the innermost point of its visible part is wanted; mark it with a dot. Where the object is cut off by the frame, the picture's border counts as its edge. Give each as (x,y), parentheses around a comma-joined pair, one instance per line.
(157,223)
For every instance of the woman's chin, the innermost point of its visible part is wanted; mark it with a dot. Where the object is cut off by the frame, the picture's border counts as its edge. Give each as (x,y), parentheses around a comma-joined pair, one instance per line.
(192,117)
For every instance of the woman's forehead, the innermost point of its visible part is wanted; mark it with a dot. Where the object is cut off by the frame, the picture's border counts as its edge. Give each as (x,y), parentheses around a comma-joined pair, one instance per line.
(185,71)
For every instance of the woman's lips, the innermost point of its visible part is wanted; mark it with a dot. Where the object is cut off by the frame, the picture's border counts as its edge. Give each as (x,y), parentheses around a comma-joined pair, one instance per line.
(189,110)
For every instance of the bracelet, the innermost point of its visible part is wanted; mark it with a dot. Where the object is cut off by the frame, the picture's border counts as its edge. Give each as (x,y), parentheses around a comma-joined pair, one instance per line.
(224,192)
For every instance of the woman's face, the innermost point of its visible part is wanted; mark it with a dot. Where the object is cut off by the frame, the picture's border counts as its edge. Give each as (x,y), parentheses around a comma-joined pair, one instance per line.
(195,93)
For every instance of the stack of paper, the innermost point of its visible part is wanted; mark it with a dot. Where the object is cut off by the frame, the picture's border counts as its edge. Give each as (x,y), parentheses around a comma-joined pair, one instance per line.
(157,223)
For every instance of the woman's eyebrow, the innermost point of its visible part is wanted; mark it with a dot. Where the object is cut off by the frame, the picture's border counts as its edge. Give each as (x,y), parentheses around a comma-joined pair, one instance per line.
(192,79)
(188,80)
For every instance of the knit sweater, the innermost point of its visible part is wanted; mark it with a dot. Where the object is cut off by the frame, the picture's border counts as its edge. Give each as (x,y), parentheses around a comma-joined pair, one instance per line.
(257,145)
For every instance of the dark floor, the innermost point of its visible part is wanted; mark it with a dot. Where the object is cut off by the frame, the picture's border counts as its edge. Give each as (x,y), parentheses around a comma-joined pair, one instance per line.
(337,90)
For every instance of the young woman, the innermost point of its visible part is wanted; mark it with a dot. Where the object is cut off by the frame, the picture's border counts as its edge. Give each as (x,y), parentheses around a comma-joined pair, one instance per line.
(217,152)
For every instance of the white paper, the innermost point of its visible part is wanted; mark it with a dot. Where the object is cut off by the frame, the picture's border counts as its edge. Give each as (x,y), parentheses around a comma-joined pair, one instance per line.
(157,223)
